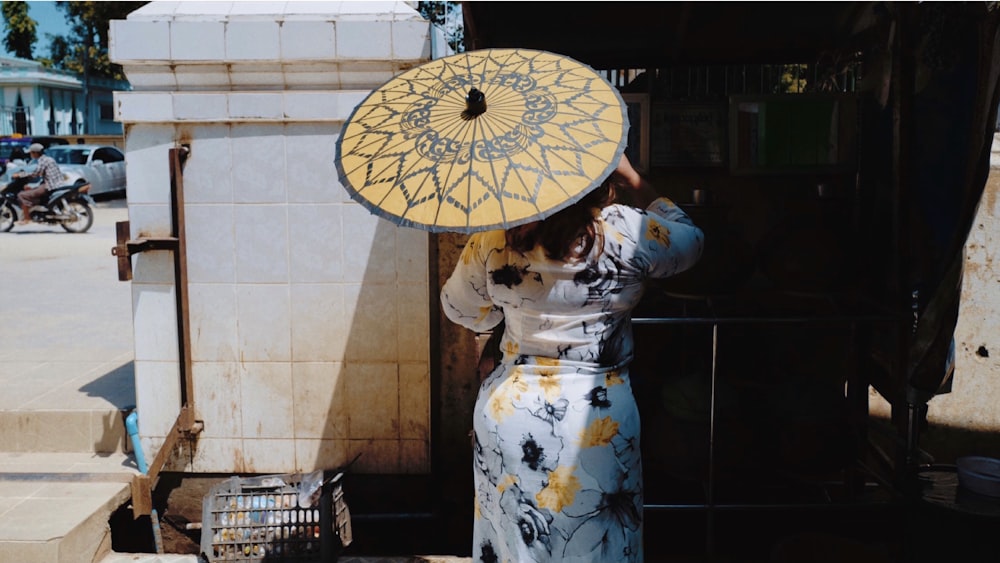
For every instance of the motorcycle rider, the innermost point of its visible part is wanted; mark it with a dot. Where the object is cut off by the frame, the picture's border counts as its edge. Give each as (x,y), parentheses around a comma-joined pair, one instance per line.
(50,175)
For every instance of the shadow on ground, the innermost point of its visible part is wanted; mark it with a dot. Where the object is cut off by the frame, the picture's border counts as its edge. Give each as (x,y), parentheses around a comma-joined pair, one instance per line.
(117,386)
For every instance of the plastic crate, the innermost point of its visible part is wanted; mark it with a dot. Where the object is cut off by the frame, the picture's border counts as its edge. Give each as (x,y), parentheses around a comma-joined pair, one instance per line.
(271,518)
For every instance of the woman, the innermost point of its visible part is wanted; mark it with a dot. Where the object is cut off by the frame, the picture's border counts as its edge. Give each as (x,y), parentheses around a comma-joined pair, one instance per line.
(558,475)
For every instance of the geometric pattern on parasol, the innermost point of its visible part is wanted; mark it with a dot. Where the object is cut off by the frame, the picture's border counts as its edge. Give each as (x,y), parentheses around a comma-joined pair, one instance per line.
(481,140)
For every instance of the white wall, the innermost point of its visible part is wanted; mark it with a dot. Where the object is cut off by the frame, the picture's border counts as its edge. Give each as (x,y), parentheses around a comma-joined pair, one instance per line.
(309,315)
(974,402)
(971,407)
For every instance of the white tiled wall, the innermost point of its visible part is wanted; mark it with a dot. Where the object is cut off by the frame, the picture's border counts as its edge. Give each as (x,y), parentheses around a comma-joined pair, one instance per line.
(267,45)
(308,314)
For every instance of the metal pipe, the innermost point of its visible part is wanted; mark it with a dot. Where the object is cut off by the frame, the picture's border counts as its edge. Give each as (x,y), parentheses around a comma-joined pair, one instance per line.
(132,426)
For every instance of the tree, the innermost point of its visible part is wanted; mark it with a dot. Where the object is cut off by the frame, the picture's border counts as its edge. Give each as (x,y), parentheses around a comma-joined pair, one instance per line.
(20,38)
(447,16)
(85,51)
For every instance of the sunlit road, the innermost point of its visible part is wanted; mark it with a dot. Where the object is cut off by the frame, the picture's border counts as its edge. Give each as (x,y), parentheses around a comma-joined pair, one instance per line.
(62,297)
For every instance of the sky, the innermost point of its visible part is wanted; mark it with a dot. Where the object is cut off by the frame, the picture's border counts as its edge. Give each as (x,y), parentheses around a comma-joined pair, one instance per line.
(50,20)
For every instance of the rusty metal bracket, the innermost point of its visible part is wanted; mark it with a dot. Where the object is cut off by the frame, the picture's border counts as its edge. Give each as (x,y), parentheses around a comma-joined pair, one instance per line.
(143,484)
(126,248)
(186,427)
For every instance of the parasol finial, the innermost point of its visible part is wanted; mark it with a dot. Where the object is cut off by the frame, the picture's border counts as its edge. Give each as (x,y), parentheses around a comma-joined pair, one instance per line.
(475,104)
(424,151)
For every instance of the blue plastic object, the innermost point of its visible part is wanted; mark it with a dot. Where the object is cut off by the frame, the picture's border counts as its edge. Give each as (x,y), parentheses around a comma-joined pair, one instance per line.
(132,426)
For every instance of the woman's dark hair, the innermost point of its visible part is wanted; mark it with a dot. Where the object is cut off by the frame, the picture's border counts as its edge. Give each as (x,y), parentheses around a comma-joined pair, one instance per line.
(571,233)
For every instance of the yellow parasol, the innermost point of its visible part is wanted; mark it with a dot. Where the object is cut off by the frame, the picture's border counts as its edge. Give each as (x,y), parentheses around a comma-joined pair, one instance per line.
(487,139)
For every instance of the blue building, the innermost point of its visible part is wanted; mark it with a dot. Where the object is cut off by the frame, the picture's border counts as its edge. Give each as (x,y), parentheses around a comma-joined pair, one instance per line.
(42,101)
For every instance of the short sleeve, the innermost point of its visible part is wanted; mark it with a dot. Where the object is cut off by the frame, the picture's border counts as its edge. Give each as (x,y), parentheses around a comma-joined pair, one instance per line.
(669,242)
(465,296)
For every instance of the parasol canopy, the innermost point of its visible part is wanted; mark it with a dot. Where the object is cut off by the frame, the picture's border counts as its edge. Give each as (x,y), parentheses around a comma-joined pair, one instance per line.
(482,140)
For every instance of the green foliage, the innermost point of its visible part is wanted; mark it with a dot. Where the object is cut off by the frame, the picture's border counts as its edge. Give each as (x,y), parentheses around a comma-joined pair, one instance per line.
(448,17)
(85,50)
(20,38)
(59,50)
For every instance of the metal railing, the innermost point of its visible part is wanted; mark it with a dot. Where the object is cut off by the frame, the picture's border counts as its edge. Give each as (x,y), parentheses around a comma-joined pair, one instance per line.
(718,81)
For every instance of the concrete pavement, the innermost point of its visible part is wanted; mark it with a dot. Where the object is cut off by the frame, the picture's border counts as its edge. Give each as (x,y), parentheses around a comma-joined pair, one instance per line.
(66,374)
(64,293)
(66,337)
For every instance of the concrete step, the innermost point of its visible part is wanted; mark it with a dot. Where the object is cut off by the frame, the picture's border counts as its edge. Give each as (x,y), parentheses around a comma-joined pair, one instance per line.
(148,558)
(55,507)
(74,405)
(64,430)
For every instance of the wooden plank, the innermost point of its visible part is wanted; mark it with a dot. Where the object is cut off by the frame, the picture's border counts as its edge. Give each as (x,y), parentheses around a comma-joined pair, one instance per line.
(142,496)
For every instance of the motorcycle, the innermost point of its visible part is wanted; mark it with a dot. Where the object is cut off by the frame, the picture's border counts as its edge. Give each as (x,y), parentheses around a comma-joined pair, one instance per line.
(68,206)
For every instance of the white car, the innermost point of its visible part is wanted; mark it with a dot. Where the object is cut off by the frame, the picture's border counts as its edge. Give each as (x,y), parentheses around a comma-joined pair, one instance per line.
(102,166)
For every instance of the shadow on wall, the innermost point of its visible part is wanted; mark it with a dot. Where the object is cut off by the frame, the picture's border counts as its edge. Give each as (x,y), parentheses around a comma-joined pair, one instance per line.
(379,411)
(385,380)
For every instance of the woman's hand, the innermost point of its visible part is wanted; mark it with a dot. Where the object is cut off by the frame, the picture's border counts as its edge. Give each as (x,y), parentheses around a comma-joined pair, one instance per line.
(642,191)
(628,173)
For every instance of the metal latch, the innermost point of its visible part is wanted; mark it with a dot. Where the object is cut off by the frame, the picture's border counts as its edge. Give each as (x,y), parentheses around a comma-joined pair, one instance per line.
(126,248)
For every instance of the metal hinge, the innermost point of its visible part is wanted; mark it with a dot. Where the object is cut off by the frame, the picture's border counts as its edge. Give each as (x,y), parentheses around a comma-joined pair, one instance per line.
(126,248)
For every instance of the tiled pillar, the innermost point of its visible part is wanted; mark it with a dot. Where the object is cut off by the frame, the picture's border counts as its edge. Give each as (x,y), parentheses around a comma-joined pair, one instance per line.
(308,314)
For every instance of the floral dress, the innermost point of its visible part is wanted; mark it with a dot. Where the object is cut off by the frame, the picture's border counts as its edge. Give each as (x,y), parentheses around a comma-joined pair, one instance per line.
(558,475)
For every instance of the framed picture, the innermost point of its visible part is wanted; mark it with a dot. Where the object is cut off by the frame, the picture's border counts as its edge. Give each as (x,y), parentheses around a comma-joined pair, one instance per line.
(793,133)
(637,150)
(689,134)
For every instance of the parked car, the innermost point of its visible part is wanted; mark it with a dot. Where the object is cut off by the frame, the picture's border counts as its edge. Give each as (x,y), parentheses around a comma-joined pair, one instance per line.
(102,166)
(14,148)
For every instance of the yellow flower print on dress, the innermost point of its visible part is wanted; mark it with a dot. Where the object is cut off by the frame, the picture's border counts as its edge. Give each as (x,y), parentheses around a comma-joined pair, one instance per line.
(547,366)
(659,233)
(505,482)
(512,348)
(479,241)
(551,385)
(494,239)
(484,312)
(475,504)
(500,406)
(613,378)
(560,490)
(514,385)
(599,433)
(472,248)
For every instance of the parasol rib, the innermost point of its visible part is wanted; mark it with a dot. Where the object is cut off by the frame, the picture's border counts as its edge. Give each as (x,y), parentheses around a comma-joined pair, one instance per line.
(439,194)
(542,140)
(457,125)
(514,168)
